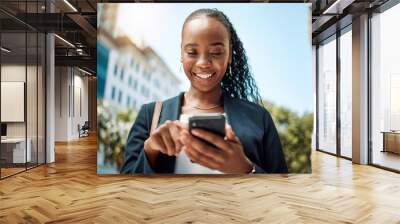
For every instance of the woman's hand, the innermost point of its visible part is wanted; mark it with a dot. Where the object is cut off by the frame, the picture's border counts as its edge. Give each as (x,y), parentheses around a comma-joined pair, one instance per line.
(165,139)
(225,155)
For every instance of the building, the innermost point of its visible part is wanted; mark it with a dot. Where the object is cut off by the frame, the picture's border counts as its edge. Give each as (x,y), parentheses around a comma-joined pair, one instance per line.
(130,74)
(135,76)
(107,15)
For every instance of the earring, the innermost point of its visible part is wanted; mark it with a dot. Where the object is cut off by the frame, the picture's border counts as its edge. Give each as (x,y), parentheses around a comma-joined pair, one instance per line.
(230,69)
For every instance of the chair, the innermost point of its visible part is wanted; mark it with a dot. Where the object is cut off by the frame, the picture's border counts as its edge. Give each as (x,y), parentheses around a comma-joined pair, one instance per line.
(84,130)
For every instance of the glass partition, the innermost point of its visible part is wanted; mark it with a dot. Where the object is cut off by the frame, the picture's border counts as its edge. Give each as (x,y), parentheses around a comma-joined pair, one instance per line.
(346,93)
(22,88)
(385,89)
(14,153)
(327,95)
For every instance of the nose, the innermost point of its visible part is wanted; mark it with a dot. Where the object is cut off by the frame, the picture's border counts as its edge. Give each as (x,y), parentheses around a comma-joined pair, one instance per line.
(203,61)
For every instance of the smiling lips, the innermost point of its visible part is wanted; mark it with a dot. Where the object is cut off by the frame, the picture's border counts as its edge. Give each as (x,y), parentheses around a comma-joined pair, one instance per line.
(203,75)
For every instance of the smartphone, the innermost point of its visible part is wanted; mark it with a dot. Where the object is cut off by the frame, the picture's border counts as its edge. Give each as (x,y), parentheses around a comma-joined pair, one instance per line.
(210,122)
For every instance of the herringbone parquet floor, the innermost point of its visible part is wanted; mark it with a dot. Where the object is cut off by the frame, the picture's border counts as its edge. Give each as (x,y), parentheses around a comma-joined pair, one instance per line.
(70,191)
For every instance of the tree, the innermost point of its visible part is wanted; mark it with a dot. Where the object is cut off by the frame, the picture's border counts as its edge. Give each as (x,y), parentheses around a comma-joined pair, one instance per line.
(114,126)
(295,133)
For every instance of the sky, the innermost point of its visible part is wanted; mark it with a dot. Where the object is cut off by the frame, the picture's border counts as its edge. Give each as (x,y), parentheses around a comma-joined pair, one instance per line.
(276,37)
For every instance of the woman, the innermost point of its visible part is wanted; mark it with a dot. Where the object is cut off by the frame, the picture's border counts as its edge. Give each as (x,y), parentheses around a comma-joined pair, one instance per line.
(215,63)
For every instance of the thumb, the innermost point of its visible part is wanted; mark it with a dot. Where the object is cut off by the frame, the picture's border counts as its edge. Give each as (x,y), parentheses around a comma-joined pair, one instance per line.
(230,135)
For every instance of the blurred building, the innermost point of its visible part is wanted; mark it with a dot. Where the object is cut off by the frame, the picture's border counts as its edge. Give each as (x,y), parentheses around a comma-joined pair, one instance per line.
(129,74)
(106,25)
(136,76)
(107,16)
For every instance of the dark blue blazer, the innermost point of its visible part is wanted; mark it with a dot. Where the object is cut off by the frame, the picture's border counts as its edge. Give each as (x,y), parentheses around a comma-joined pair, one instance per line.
(250,122)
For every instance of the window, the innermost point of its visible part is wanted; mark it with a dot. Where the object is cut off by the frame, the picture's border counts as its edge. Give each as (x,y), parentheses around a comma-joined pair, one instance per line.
(115,69)
(135,84)
(143,90)
(130,81)
(128,101)
(346,94)
(21,63)
(385,88)
(146,75)
(113,93)
(132,62)
(122,74)
(327,95)
(120,97)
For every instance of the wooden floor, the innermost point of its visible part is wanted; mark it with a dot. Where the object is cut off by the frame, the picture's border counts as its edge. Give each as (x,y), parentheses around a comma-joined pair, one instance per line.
(70,191)
(10,171)
(387,159)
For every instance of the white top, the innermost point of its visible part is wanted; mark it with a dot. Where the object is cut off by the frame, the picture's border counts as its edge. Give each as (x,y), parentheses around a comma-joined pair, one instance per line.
(183,165)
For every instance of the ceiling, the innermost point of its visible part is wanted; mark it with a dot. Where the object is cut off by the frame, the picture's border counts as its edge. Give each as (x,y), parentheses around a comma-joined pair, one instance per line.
(75,21)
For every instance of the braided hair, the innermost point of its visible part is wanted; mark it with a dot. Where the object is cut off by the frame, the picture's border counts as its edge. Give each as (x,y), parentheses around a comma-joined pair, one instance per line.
(238,81)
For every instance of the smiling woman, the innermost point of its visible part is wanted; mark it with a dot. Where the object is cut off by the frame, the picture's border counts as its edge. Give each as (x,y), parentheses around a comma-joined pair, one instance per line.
(215,63)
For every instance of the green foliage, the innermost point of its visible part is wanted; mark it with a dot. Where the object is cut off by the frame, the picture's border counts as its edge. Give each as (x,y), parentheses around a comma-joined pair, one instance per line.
(113,127)
(295,133)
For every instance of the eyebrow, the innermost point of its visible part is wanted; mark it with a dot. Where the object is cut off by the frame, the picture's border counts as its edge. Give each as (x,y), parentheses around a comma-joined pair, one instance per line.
(213,44)
(191,45)
(218,44)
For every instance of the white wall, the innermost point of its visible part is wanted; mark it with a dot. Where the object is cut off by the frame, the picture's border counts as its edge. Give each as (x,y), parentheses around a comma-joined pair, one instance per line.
(71,87)
(61,103)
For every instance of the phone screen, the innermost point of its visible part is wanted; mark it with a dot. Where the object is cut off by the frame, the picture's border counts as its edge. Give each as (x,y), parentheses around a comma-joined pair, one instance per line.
(212,123)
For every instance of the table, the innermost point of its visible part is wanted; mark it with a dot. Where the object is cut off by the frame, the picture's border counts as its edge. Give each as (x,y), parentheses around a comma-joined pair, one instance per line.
(391,141)
(13,150)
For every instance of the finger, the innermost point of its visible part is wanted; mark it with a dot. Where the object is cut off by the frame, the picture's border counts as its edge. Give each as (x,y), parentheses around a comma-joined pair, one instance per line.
(175,134)
(168,142)
(183,132)
(217,140)
(201,159)
(158,143)
(206,149)
(230,134)
(181,125)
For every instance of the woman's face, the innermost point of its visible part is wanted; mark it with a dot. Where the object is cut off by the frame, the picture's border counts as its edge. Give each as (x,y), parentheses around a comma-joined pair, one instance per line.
(205,52)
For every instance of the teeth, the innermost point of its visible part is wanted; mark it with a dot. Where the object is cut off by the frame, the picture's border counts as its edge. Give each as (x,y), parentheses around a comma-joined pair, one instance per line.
(203,76)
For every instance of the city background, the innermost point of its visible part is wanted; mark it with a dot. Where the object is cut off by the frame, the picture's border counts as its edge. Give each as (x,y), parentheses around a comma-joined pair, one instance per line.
(138,62)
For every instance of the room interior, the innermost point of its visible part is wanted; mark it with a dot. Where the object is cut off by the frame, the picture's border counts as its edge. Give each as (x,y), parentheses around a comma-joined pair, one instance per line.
(48,173)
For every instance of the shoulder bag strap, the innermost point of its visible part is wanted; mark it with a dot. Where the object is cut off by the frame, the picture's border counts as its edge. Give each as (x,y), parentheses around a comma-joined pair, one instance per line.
(156,116)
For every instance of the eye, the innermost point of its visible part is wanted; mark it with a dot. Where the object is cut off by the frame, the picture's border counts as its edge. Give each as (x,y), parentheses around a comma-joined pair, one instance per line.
(192,53)
(216,54)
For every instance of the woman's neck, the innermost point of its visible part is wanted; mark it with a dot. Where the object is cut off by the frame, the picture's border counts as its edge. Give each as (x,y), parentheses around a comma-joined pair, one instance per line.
(203,99)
